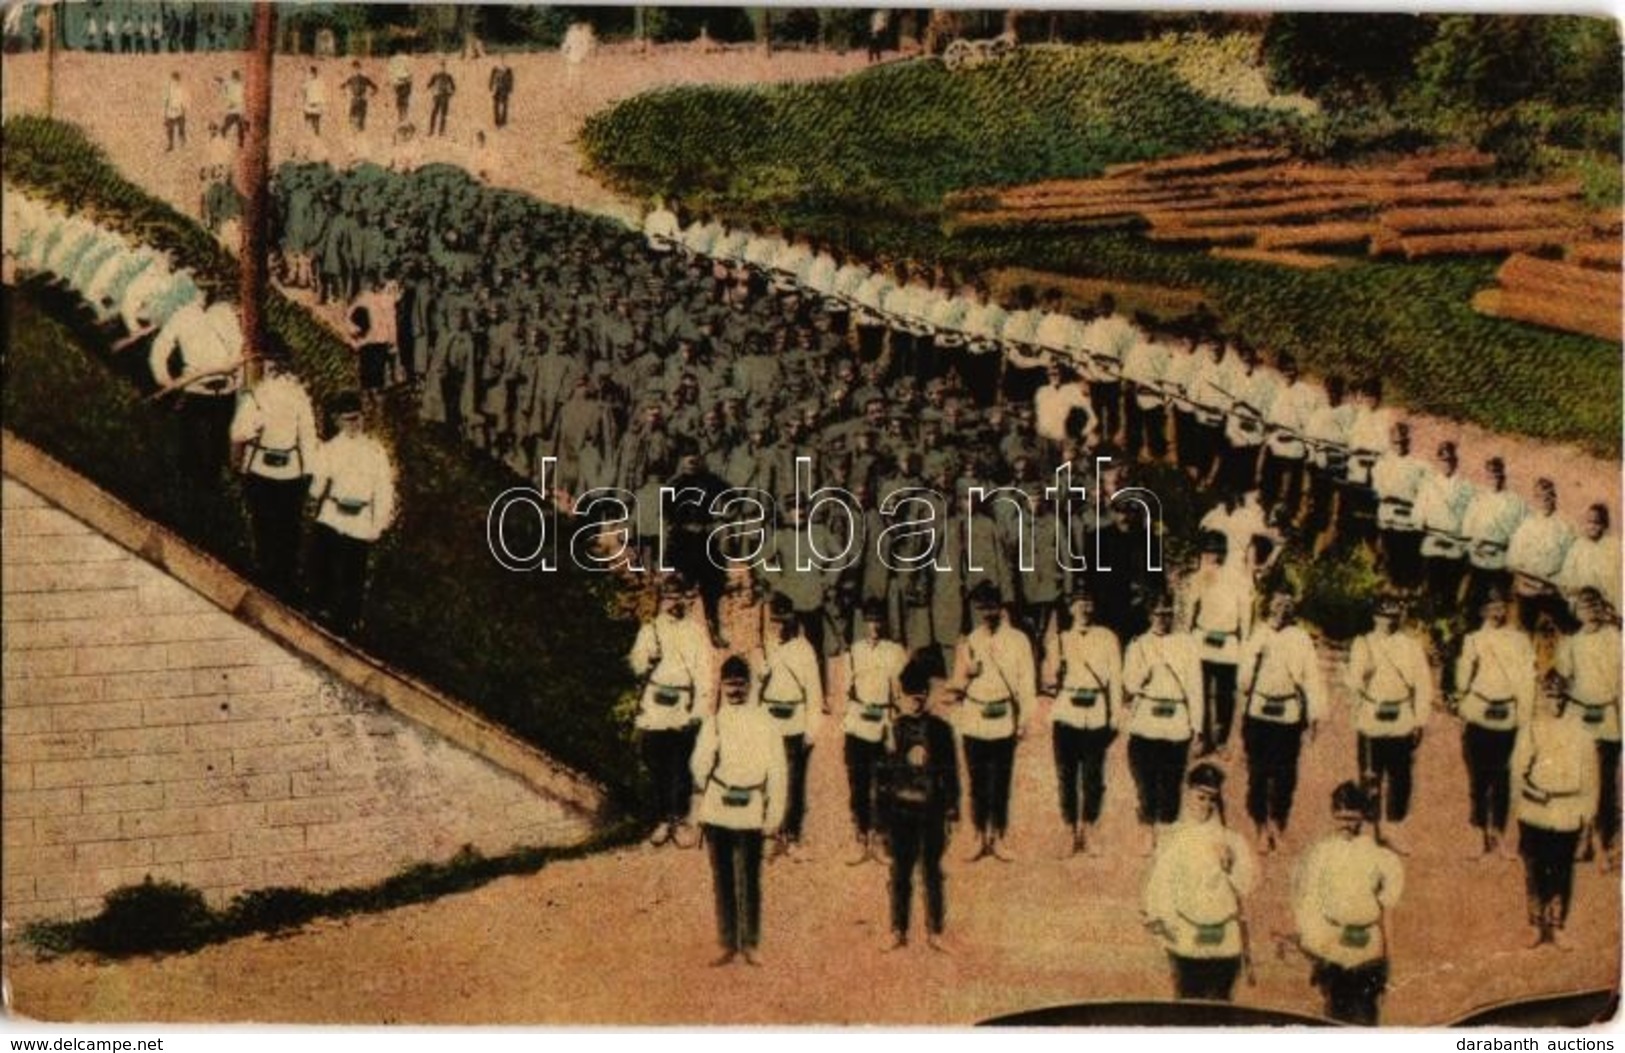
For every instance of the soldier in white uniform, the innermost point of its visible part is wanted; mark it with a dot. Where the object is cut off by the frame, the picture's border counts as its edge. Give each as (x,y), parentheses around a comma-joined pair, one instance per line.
(1285,701)
(1145,366)
(1535,555)
(1495,686)
(1441,501)
(789,687)
(672,656)
(275,430)
(1342,894)
(353,482)
(996,680)
(1195,895)
(197,357)
(1593,559)
(739,772)
(176,103)
(1282,476)
(1221,617)
(1555,769)
(1487,526)
(1397,480)
(1162,677)
(1391,692)
(1085,677)
(873,664)
(1589,659)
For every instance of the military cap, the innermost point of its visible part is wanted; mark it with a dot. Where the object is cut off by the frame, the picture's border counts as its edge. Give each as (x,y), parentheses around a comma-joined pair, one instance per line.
(735,669)
(986,594)
(1206,776)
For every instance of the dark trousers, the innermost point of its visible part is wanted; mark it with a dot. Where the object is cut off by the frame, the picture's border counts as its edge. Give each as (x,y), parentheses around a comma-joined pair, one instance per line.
(1238,468)
(1280,485)
(1402,557)
(1080,768)
(205,426)
(358,114)
(736,870)
(666,755)
(234,120)
(990,764)
(1443,579)
(1548,867)
(1489,775)
(918,839)
(1356,515)
(1322,492)
(1608,793)
(1551,607)
(276,510)
(1106,399)
(1389,761)
(1353,994)
(861,758)
(175,129)
(313,121)
(1219,693)
(871,341)
(438,113)
(1272,769)
(1199,445)
(1206,979)
(403,100)
(796,752)
(1147,429)
(812,626)
(499,110)
(1159,774)
(339,578)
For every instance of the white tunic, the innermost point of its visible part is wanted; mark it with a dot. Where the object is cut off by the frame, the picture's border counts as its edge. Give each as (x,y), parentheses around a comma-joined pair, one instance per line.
(740,769)
(1221,612)
(1089,671)
(1162,675)
(1554,774)
(1340,892)
(1495,676)
(1390,684)
(1590,660)
(1279,675)
(1198,877)
(872,670)
(787,685)
(996,671)
(675,657)
(354,481)
(275,417)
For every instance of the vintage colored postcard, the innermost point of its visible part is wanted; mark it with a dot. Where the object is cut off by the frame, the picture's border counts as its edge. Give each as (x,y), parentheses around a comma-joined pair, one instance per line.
(516,515)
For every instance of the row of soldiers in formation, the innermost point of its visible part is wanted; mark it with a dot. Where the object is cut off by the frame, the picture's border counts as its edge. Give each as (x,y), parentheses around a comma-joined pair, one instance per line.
(265,430)
(144,27)
(1543,748)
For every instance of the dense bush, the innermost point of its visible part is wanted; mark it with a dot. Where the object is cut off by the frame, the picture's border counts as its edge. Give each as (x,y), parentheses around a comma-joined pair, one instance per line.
(542,654)
(154,916)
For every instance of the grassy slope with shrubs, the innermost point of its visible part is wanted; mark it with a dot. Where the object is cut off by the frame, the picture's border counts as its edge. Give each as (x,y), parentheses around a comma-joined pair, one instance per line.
(866,159)
(542,654)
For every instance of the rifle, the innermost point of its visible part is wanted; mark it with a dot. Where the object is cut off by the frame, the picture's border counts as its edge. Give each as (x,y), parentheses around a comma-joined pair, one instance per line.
(181,383)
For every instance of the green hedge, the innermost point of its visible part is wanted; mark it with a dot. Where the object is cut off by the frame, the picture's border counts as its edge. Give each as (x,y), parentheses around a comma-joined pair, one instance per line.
(902,135)
(542,654)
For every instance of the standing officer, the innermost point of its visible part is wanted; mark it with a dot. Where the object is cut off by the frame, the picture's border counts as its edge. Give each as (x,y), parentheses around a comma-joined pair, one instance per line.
(1589,659)
(1286,697)
(739,772)
(313,100)
(1162,675)
(1487,526)
(441,88)
(1087,687)
(672,654)
(1221,618)
(353,481)
(360,88)
(789,688)
(1341,895)
(1194,895)
(275,427)
(1391,688)
(1441,501)
(501,89)
(1556,765)
(197,358)
(1397,478)
(919,802)
(995,679)
(873,664)
(1495,685)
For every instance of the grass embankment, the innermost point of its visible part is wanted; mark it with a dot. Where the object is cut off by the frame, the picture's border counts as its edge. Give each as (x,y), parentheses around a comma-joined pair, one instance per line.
(866,160)
(542,654)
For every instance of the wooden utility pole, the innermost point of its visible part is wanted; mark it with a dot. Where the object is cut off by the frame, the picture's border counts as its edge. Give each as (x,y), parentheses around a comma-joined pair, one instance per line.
(47,26)
(254,170)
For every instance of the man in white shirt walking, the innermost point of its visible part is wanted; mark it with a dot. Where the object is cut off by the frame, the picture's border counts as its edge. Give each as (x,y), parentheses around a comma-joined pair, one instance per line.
(1495,686)
(274,429)
(353,482)
(996,681)
(1285,702)
(672,654)
(1391,691)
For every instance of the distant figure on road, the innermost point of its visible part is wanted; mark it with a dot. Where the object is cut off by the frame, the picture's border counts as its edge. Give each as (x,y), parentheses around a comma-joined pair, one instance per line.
(175,104)
(360,88)
(501,89)
(578,44)
(231,93)
(441,88)
(313,101)
(400,78)
(879,23)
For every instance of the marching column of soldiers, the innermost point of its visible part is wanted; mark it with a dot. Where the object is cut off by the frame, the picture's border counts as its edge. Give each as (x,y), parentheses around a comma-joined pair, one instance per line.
(264,431)
(587,358)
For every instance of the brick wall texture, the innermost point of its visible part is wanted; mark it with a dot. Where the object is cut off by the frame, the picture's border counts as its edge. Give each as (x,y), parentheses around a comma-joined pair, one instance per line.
(146,731)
